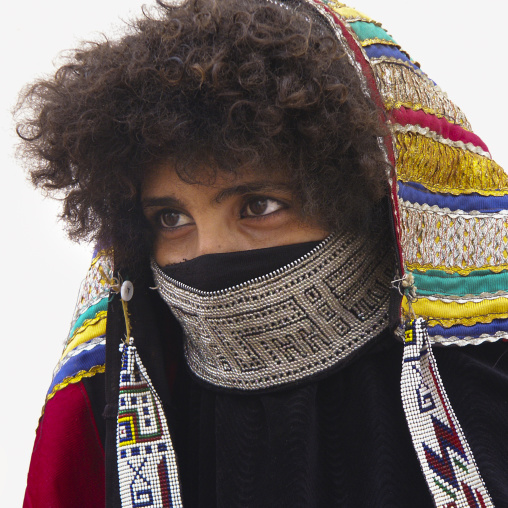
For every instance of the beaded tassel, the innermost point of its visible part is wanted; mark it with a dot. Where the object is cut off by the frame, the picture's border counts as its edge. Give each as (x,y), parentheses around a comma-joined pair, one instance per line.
(444,454)
(147,469)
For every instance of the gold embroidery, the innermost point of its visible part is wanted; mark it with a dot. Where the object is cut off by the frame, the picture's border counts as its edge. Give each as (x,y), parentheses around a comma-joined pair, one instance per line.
(455,269)
(443,168)
(400,84)
(97,369)
(416,107)
(377,40)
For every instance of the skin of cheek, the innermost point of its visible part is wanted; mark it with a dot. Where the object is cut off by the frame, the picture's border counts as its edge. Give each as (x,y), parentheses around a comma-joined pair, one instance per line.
(225,239)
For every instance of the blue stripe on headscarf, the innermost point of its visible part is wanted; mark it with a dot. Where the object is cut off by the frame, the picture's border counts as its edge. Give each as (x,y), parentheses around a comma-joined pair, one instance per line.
(84,360)
(380,50)
(417,193)
(498,325)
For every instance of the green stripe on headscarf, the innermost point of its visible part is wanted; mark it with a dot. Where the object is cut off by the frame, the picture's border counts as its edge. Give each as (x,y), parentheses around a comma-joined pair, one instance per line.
(477,282)
(369,31)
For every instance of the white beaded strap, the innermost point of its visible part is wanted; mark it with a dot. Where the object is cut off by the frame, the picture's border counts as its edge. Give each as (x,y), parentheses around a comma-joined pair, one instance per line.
(444,454)
(147,468)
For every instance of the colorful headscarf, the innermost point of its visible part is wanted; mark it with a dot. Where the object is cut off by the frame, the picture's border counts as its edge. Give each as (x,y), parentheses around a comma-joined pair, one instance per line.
(450,199)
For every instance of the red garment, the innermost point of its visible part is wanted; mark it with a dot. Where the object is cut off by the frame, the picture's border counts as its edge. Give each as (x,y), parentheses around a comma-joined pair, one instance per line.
(67,467)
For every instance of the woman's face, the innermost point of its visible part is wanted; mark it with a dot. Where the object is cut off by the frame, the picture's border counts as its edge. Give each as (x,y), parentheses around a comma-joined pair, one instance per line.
(234,213)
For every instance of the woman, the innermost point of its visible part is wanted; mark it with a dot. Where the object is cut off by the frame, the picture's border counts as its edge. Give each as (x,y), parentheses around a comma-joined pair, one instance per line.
(242,159)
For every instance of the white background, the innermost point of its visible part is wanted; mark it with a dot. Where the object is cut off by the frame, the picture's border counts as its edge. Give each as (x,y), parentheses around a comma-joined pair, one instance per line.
(459,44)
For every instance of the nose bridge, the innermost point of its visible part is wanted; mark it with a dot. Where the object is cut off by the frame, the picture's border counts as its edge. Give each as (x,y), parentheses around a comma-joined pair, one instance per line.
(215,235)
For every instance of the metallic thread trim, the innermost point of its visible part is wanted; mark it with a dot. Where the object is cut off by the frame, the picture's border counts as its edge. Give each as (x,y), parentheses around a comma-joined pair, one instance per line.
(390,60)
(455,214)
(455,269)
(456,241)
(468,341)
(458,341)
(389,105)
(398,83)
(464,298)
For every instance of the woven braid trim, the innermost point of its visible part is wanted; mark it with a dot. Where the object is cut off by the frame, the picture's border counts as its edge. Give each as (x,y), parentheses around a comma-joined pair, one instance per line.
(97,369)
(393,105)
(456,340)
(435,297)
(345,12)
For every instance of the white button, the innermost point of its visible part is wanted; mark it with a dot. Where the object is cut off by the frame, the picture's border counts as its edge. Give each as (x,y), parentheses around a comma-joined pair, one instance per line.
(127,290)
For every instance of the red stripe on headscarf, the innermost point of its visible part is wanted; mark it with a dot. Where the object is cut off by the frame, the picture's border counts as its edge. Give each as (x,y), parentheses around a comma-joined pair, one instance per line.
(405,116)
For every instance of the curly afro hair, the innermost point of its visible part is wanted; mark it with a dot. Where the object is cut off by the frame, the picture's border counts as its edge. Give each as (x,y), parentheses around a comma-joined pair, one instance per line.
(223,84)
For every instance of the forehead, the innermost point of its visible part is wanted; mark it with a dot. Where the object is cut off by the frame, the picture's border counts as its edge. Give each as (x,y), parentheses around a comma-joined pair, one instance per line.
(164,178)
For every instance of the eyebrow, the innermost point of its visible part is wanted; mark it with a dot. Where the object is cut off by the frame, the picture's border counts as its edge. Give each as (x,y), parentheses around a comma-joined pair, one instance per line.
(166,201)
(248,188)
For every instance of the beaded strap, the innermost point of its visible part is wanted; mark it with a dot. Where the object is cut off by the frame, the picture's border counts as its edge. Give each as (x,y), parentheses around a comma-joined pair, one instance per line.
(147,468)
(444,454)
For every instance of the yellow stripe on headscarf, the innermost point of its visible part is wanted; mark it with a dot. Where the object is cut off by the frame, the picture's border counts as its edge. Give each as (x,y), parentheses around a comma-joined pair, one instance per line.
(443,168)
(91,328)
(453,313)
(347,12)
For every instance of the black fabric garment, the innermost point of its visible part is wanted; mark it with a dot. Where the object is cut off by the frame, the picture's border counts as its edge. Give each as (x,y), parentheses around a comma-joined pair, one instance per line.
(213,272)
(341,441)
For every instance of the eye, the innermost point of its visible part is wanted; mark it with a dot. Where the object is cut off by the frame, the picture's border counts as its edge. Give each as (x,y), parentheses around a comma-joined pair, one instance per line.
(260,206)
(172,219)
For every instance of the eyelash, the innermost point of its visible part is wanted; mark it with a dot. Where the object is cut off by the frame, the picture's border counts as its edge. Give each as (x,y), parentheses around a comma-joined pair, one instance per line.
(252,199)
(157,218)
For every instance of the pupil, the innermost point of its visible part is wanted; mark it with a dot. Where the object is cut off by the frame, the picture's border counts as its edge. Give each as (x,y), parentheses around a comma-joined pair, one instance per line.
(169,219)
(258,207)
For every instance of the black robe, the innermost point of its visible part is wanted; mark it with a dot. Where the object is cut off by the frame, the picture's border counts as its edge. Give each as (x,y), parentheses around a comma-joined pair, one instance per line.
(340,439)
